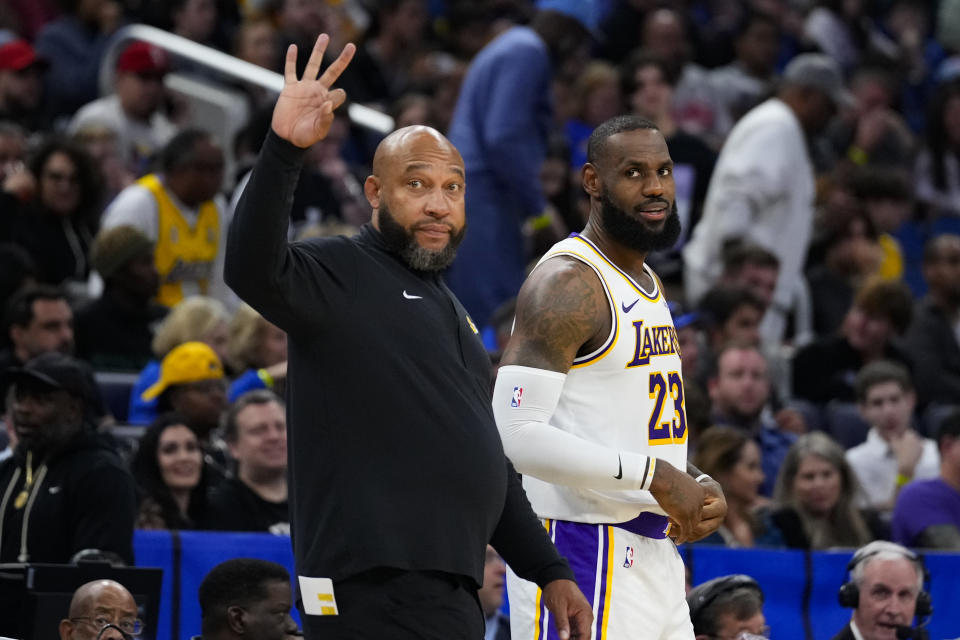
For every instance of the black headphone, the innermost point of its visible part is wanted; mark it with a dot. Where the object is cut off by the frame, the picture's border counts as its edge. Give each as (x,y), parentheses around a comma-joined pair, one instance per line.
(849,594)
(703,595)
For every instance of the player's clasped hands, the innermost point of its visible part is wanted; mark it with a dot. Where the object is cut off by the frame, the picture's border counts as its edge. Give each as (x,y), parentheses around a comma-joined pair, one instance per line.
(681,497)
(304,110)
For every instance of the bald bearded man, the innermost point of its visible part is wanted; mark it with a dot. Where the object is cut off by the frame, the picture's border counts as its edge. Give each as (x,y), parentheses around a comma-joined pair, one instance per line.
(101,610)
(398,476)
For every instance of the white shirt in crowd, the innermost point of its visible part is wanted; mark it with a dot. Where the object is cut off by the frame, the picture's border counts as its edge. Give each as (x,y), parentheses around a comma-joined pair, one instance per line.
(762,192)
(876,468)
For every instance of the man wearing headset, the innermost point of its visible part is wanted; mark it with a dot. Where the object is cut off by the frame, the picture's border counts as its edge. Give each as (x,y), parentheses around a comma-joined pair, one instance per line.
(729,608)
(885,592)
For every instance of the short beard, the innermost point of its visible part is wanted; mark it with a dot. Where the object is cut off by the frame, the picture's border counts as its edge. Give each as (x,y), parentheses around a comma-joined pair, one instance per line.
(635,233)
(403,242)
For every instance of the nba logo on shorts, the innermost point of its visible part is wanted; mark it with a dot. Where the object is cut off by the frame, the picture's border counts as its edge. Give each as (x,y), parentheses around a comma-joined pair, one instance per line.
(628,559)
(517,394)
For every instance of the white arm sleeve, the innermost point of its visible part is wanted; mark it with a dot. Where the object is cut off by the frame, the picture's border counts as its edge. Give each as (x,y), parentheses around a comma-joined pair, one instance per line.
(524,400)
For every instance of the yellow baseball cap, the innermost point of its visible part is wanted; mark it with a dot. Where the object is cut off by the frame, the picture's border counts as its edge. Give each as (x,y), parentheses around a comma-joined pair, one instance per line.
(189,362)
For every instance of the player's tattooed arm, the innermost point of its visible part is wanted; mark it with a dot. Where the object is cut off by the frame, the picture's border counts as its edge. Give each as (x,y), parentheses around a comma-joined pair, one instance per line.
(561,310)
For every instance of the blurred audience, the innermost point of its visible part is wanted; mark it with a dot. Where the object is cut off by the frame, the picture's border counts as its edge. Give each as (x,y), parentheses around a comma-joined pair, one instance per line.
(501,126)
(888,200)
(114,332)
(732,458)
(381,70)
(258,352)
(21,85)
(197,318)
(752,75)
(171,476)
(851,256)
(183,213)
(938,167)
(37,320)
(596,99)
(255,498)
(56,223)
(824,370)
(194,19)
(739,396)
(815,497)
(648,83)
(927,513)
(491,596)
(192,384)
(65,489)
(697,107)
(932,338)
(752,267)
(872,132)
(894,453)
(730,314)
(17,271)
(74,44)
(13,148)
(762,189)
(134,111)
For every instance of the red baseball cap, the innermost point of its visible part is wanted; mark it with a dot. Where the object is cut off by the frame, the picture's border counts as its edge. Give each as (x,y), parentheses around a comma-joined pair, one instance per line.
(141,57)
(17,55)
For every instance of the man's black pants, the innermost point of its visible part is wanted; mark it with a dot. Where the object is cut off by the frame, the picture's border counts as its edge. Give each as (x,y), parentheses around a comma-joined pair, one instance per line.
(393,604)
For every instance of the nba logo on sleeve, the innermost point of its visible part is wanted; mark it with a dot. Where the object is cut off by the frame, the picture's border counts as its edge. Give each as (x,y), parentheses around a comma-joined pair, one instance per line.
(628,558)
(517,394)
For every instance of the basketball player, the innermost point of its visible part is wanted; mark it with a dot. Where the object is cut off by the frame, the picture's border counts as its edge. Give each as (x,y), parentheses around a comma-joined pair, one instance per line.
(590,405)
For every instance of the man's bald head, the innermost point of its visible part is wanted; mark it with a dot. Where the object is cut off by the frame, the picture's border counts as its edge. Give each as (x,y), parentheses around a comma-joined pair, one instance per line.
(89,594)
(105,599)
(407,142)
(417,195)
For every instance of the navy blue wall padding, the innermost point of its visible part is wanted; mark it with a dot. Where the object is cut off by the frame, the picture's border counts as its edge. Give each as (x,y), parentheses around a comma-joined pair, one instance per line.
(783,575)
(829,572)
(155,549)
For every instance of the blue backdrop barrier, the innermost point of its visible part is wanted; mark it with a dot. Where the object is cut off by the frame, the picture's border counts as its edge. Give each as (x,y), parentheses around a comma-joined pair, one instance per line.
(800,588)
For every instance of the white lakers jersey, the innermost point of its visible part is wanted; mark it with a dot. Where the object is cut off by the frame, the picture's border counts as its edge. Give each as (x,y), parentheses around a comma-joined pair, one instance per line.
(627,395)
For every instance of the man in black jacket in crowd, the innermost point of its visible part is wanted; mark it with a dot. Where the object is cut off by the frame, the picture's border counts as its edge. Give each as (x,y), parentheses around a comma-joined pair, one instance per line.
(65,489)
(933,338)
(398,476)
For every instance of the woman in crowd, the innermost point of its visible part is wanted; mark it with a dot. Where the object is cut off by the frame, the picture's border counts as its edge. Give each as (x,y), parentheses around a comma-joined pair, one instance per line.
(56,218)
(258,348)
(938,167)
(171,476)
(196,318)
(732,458)
(815,498)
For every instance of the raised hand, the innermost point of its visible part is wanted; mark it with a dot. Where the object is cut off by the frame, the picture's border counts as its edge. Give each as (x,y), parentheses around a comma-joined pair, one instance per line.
(304,110)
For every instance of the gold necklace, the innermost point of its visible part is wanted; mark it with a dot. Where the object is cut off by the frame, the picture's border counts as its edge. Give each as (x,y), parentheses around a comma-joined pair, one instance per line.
(21,499)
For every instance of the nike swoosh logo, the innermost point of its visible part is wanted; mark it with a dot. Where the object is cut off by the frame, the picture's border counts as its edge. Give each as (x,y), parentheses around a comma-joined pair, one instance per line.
(619,475)
(411,297)
(626,308)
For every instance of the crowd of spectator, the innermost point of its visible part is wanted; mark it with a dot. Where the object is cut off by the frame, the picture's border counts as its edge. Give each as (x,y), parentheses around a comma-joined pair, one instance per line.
(815,286)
